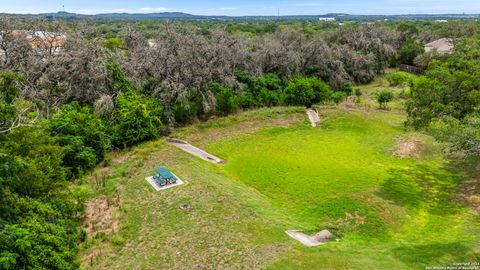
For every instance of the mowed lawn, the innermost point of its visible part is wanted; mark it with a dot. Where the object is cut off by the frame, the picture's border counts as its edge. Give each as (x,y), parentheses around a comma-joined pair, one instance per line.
(287,175)
(304,171)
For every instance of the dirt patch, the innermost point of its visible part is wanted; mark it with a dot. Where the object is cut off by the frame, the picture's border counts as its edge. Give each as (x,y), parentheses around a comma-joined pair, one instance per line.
(409,148)
(349,103)
(99,217)
(470,194)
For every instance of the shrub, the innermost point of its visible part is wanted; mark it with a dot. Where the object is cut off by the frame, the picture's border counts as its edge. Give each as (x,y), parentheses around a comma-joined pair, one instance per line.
(82,133)
(306,91)
(409,50)
(347,88)
(358,93)
(338,97)
(185,112)
(384,97)
(399,78)
(114,43)
(265,90)
(268,89)
(137,119)
(227,100)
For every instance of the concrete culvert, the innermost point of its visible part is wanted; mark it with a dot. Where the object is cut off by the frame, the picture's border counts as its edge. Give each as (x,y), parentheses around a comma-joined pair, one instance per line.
(185,146)
(323,236)
(185,207)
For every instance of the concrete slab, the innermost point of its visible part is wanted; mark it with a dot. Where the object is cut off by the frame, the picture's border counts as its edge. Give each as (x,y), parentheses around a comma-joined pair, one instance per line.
(305,239)
(157,187)
(313,117)
(185,146)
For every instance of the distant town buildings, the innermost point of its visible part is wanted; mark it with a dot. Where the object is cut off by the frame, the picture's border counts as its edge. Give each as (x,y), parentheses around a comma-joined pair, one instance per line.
(442,46)
(441,21)
(52,41)
(326,19)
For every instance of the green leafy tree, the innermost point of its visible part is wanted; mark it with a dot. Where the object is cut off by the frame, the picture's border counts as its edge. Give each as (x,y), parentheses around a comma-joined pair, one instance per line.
(268,89)
(384,97)
(10,115)
(83,134)
(227,100)
(409,51)
(447,99)
(137,119)
(306,91)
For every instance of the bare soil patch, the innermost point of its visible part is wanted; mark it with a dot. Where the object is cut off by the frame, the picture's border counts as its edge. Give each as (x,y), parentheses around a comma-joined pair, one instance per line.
(99,217)
(409,149)
(470,194)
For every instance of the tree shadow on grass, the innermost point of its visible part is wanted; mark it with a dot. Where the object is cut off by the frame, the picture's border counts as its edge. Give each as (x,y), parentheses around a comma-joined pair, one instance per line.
(433,188)
(435,254)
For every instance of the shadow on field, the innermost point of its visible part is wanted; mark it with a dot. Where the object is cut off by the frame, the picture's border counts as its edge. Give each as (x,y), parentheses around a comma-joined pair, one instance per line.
(434,254)
(422,185)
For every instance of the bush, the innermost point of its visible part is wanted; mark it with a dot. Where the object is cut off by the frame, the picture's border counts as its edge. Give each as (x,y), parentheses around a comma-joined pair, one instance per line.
(185,112)
(463,135)
(384,97)
(358,94)
(399,78)
(265,90)
(227,100)
(114,43)
(338,97)
(137,119)
(347,88)
(268,90)
(83,134)
(409,51)
(306,91)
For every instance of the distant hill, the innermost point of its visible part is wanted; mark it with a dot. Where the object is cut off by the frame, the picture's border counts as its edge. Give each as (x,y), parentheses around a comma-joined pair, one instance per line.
(186,16)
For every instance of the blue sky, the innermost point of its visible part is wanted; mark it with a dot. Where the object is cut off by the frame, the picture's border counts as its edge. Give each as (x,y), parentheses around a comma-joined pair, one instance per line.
(245,7)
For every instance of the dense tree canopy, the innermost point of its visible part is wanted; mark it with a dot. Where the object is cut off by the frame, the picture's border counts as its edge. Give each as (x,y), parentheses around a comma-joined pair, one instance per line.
(449,97)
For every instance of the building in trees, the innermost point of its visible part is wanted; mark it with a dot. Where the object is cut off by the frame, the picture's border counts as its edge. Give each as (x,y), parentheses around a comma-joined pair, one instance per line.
(442,46)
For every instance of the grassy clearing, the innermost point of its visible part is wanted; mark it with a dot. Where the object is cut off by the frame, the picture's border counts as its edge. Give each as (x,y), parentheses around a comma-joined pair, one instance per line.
(282,174)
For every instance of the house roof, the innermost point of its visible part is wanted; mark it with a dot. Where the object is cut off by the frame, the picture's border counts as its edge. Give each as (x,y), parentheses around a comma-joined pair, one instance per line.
(443,45)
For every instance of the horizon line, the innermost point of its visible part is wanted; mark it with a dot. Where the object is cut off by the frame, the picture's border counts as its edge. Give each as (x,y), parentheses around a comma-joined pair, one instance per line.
(286,15)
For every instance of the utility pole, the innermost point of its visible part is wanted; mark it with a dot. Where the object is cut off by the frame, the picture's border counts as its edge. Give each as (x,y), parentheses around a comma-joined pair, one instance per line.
(63,7)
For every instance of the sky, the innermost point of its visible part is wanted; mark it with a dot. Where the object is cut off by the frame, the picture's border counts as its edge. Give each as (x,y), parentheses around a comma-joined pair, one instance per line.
(244,7)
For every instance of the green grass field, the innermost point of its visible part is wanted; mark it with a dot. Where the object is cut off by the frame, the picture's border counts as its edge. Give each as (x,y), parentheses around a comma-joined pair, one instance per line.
(282,174)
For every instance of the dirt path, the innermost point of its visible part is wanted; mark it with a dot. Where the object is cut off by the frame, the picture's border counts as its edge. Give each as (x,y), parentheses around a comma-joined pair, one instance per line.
(313,117)
(185,146)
